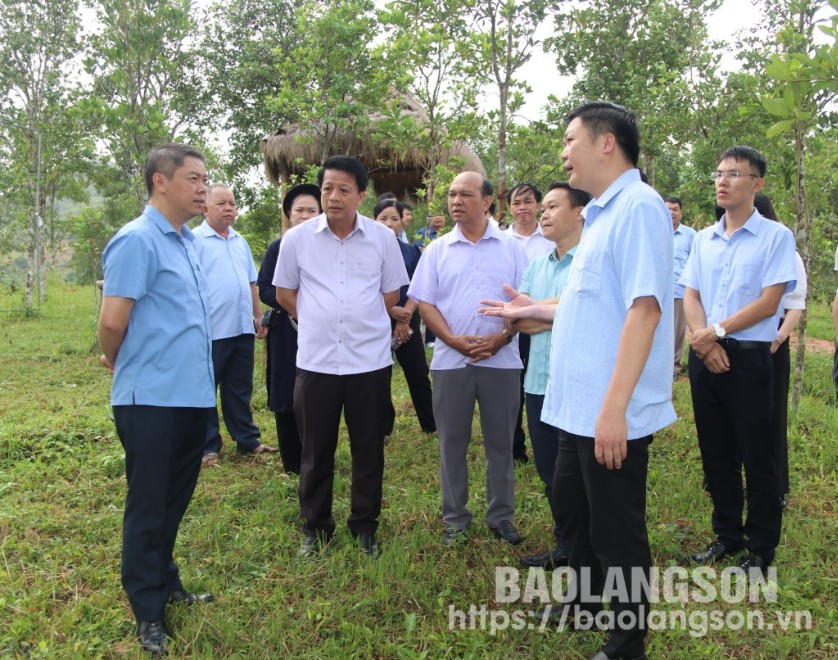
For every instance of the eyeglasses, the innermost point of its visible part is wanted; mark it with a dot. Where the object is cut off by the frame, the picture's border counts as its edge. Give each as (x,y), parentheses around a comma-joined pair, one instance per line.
(733,175)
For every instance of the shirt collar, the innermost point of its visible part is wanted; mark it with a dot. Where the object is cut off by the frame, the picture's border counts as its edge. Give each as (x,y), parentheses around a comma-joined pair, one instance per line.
(514,230)
(492,231)
(752,224)
(159,220)
(208,231)
(567,255)
(323,223)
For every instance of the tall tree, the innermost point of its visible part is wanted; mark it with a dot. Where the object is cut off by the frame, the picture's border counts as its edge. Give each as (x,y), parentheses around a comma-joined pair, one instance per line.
(243,46)
(428,45)
(505,42)
(639,53)
(37,44)
(140,62)
(328,80)
(807,83)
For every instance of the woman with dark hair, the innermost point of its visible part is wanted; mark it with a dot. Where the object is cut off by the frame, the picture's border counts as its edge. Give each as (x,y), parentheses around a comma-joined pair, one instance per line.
(301,203)
(407,339)
(793,304)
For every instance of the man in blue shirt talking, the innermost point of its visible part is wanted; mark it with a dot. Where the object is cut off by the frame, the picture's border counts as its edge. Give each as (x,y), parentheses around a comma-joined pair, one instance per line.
(154,331)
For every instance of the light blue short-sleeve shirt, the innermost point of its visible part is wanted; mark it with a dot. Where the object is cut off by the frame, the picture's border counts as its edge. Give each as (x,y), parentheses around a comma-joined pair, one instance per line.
(626,252)
(166,356)
(683,238)
(229,270)
(545,278)
(455,275)
(730,272)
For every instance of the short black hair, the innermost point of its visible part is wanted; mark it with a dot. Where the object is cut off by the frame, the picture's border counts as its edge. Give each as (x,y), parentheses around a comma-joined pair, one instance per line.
(386,204)
(577,197)
(165,159)
(387,195)
(762,203)
(404,206)
(346,164)
(750,154)
(674,200)
(487,190)
(522,189)
(601,117)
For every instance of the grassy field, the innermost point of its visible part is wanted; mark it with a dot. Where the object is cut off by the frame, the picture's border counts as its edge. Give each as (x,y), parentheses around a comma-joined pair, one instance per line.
(62,490)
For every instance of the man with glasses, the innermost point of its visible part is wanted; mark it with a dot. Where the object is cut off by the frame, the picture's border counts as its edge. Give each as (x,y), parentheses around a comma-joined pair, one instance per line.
(735,277)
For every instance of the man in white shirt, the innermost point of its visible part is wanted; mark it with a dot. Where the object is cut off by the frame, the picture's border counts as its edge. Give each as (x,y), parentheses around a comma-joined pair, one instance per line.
(338,274)
(476,357)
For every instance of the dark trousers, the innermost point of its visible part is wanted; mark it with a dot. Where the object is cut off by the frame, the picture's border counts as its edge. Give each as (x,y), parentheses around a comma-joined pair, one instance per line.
(232,365)
(288,438)
(414,363)
(519,449)
(780,417)
(733,419)
(545,449)
(319,400)
(603,516)
(835,372)
(163,449)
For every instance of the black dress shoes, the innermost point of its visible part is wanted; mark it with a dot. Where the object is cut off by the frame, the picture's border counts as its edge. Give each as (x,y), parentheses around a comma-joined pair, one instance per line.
(506,530)
(549,560)
(369,545)
(754,566)
(715,552)
(313,544)
(152,636)
(181,596)
(602,655)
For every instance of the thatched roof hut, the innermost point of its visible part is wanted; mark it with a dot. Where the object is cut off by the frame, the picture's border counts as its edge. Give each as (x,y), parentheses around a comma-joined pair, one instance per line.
(293,149)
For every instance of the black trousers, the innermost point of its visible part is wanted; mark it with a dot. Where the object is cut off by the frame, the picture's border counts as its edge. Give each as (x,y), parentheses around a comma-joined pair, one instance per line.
(319,400)
(414,363)
(602,514)
(733,419)
(780,417)
(163,448)
(232,365)
(519,449)
(288,438)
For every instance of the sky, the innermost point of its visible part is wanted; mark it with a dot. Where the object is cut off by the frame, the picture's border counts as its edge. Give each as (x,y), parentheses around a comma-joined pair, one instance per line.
(724,24)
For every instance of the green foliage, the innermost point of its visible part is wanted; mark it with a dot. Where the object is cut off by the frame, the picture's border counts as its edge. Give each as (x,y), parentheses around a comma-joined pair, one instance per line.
(62,490)
(260,225)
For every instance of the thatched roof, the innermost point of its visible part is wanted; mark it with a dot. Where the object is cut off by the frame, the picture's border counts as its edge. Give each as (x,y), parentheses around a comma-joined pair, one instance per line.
(293,149)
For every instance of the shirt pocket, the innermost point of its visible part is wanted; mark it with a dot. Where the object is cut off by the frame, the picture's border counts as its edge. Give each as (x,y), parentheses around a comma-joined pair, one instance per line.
(585,277)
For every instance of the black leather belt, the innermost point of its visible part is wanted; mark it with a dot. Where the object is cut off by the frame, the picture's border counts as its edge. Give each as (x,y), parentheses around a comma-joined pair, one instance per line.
(743,345)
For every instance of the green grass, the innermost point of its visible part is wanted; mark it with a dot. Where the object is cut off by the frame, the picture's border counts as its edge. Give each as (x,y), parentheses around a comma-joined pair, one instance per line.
(62,490)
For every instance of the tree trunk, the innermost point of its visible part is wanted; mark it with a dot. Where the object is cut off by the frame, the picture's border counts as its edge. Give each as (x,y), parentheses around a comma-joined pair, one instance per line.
(804,236)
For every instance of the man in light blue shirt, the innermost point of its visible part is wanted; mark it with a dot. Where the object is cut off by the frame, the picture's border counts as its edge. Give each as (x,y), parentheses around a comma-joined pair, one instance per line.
(544,281)
(236,318)
(683,237)
(615,314)
(735,278)
(154,331)
(476,357)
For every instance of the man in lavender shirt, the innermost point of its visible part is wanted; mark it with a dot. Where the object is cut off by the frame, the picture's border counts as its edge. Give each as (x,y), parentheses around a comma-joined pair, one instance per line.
(476,357)
(338,274)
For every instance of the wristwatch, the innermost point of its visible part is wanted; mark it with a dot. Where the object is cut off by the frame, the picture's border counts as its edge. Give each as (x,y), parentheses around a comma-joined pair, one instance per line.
(719,330)
(508,335)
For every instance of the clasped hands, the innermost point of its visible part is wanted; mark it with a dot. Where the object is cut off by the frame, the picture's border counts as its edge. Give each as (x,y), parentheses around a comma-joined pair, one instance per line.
(704,345)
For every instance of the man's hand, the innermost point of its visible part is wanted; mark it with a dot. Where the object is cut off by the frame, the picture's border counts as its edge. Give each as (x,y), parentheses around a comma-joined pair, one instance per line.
(487,347)
(467,344)
(402,332)
(103,360)
(399,314)
(514,309)
(716,359)
(701,341)
(610,433)
(261,331)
